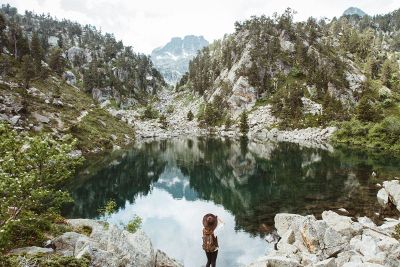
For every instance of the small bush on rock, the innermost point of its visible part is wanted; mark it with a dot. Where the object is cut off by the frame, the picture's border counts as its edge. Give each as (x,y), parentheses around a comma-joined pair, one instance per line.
(150,113)
(190,116)
(134,224)
(396,233)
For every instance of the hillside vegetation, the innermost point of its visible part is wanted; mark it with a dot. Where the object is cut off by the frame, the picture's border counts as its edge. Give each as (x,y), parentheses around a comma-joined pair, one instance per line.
(314,73)
(54,74)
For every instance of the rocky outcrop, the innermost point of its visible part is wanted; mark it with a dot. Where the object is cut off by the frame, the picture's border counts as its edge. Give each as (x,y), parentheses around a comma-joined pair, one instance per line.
(106,244)
(335,240)
(390,194)
(311,107)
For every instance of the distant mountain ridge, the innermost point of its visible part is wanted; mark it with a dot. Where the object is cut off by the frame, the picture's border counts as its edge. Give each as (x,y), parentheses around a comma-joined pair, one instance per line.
(354,11)
(172,60)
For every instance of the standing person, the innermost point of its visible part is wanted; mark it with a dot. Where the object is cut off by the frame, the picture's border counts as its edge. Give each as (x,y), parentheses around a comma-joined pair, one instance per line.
(212,224)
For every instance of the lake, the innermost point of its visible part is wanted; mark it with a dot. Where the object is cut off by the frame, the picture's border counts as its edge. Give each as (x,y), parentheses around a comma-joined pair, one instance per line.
(172,183)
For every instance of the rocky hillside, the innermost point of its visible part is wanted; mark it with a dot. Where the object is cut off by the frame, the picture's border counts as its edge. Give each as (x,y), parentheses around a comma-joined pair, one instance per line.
(58,76)
(172,60)
(97,62)
(308,74)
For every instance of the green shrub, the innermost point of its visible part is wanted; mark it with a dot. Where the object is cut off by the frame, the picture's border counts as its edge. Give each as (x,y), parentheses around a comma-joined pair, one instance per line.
(109,208)
(85,229)
(386,132)
(383,135)
(27,231)
(33,169)
(170,109)
(396,233)
(150,113)
(163,121)
(134,224)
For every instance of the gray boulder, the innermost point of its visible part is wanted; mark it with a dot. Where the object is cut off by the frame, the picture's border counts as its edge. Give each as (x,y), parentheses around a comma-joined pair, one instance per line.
(393,190)
(14,120)
(383,197)
(40,118)
(342,224)
(69,76)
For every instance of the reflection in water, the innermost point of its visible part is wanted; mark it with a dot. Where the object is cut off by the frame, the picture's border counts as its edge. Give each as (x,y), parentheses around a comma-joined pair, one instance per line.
(172,183)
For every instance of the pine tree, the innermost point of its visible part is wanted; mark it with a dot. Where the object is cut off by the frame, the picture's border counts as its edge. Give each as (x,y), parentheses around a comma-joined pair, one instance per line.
(190,116)
(27,69)
(365,110)
(3,38)
(37,52)
(60,41)
(56,61)
(243,126)
(386,73)
(209,115)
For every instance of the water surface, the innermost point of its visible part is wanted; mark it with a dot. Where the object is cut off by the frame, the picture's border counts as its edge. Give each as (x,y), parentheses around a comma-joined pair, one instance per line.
(171,184)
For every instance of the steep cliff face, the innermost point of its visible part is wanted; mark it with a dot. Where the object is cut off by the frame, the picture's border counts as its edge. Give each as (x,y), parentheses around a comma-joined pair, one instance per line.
(172,60)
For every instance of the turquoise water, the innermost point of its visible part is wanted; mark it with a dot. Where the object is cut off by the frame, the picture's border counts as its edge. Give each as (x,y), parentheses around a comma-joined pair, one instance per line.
(171,184)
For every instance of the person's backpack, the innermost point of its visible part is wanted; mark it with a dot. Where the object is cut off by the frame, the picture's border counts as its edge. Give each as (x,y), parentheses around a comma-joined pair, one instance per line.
(210,241)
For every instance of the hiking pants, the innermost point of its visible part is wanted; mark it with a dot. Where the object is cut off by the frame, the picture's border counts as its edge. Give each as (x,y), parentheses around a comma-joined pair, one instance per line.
(211,258)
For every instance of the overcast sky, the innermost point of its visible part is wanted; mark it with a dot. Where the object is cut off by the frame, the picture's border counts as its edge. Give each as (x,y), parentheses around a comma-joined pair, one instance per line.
(148,24)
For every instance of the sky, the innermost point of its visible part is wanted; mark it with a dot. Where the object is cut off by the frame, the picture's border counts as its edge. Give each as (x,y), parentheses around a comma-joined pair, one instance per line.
(148,24)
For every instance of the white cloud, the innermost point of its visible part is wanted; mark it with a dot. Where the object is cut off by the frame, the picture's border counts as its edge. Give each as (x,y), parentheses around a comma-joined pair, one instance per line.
(151,23)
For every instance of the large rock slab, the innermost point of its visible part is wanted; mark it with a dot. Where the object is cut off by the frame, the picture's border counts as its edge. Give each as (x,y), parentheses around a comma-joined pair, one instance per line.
(132,249)
(284,222)
(342,224)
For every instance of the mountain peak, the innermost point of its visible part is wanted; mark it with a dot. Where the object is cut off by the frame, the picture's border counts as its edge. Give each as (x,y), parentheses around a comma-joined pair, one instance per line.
(173,58)
(354,11)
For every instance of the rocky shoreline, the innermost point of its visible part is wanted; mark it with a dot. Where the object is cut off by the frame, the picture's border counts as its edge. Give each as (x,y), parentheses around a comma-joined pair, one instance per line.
(316,137)
(105,244)
(337,240)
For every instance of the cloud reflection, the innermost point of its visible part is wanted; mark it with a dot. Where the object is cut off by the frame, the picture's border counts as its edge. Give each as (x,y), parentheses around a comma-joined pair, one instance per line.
(174,226)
